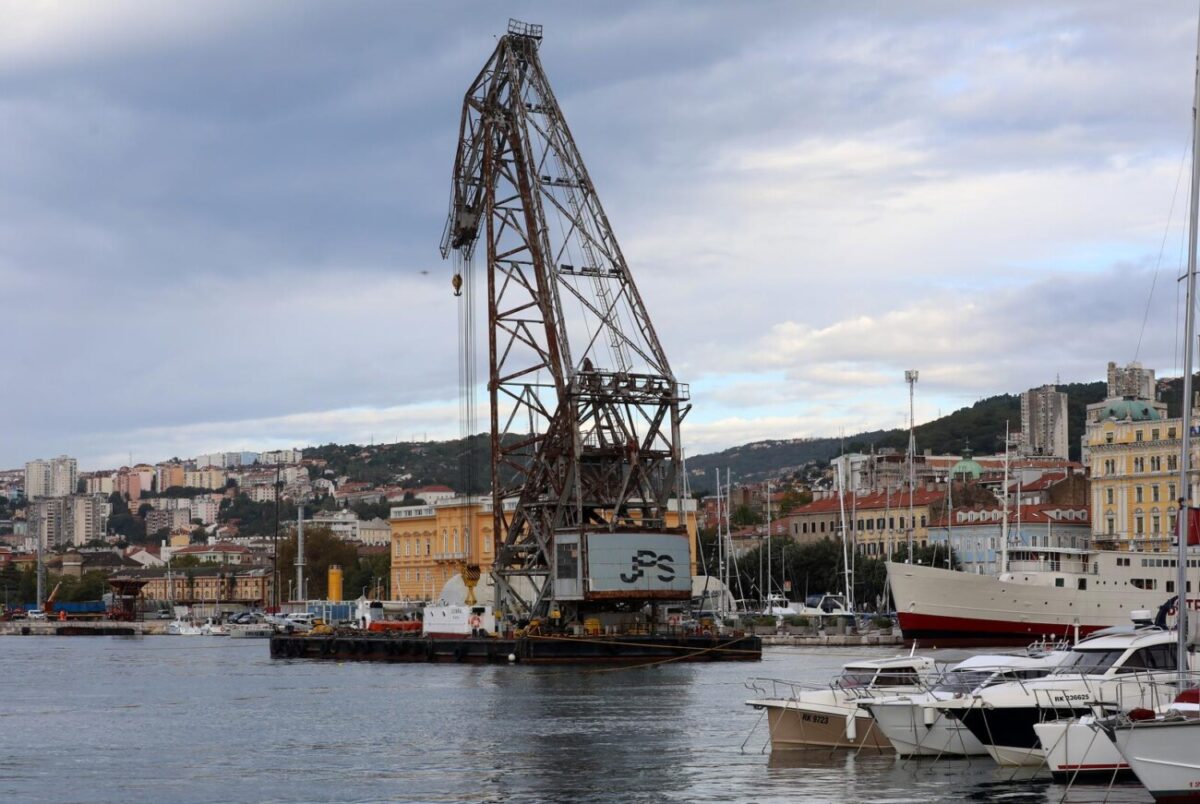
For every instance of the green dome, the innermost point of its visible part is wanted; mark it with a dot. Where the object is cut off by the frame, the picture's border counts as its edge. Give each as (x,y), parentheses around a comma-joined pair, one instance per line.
(1132,409)
(967,468)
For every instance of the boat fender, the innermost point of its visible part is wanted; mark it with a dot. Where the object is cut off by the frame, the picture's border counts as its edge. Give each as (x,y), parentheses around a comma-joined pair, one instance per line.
(512,657)
(475,622)
(851,727)
(929,715)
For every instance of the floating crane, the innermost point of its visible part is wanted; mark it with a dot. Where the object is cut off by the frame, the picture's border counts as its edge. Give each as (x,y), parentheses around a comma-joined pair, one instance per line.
(585,410)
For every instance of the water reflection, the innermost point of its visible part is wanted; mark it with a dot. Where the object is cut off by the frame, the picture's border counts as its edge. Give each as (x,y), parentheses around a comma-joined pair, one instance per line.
(213,720)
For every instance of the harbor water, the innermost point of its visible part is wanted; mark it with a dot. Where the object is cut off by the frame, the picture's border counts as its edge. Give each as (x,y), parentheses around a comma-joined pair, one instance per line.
(206,719)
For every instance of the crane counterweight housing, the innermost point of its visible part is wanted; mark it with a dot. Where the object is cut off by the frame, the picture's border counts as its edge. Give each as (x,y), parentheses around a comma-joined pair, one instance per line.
(585,410)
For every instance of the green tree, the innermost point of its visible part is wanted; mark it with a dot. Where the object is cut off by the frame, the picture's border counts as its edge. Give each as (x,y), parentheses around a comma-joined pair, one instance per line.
(745,516)
(370,573)
(321,549)
(794,499)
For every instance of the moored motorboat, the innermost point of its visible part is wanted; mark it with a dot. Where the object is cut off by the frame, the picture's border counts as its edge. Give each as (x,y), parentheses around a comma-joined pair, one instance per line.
(1110,672)
(807,716)
(1163,751)
(916,728)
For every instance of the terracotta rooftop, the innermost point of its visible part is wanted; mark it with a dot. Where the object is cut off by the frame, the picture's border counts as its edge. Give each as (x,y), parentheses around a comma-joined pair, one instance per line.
(868,502)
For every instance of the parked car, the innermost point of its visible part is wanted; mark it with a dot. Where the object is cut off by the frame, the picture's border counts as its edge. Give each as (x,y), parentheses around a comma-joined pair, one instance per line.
(164,614)
(37,614)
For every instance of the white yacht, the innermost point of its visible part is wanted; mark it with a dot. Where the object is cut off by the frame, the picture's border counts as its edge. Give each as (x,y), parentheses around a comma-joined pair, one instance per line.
(250,630)
(916,728)
(182,628)
(807,715)
(1108,672)
(1162,751)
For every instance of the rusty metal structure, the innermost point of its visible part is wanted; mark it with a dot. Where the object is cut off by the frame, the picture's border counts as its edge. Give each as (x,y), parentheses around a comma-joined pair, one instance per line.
(585,410)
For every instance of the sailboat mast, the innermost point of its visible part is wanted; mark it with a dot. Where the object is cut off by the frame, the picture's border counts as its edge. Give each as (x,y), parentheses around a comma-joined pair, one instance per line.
(1004,521)
(1189,341)
(769,576)
(845,537)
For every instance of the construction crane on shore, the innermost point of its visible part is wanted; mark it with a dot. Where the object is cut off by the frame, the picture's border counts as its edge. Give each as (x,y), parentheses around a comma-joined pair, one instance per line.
(585,410)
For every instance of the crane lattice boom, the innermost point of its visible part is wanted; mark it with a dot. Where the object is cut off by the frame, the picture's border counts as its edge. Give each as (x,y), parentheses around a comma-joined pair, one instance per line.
(585,410)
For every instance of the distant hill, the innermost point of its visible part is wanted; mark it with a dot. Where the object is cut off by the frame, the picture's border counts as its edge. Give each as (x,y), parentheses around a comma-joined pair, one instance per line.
(980,426)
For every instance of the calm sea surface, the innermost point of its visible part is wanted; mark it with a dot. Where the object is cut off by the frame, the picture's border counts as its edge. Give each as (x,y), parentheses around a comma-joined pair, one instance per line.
(208,719)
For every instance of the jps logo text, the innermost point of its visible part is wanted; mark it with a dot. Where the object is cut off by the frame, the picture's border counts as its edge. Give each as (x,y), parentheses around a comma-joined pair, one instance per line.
(647,561)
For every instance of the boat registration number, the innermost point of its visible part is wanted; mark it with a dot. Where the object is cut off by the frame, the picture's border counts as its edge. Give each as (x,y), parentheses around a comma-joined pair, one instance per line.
(822,720)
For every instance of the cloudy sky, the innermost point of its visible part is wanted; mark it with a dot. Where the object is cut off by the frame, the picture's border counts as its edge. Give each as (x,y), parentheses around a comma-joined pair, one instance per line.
(219,221)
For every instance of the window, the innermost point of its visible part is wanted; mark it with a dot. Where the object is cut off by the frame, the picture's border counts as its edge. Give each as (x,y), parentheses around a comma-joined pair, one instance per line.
(1154,435)
(1154,492)
(1108,437)
(1154,523)
(1139,525)
(1139,464)
(1156,657)
(1058,582)
(1170,432)
(1108,496)
(1082,583)
(1137,436)
(1111,526)
(924,519)
(1137,494)
(1172,463)
(1156,463)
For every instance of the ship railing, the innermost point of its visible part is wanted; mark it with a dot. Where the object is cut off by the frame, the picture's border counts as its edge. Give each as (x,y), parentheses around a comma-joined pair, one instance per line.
(1147,689)
(777,688)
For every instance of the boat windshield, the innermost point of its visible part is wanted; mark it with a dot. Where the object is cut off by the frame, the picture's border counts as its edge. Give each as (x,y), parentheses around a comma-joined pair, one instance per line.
(967,681)
(1088,662)
(963,681)
(886,677)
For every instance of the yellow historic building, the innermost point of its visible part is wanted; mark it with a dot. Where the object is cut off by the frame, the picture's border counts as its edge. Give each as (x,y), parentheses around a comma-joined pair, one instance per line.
(430,543)
(1133,455)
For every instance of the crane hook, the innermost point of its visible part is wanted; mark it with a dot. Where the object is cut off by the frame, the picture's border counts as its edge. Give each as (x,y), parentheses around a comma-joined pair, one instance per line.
(456,283)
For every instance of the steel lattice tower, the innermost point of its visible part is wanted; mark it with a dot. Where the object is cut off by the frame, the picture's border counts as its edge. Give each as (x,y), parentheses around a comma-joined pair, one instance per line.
(585,411)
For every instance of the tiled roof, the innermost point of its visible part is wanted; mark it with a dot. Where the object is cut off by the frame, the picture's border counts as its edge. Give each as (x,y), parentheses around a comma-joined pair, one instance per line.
(868,502)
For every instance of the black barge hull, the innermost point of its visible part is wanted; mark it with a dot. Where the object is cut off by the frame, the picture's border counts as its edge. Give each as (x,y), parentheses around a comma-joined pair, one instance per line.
(524,650)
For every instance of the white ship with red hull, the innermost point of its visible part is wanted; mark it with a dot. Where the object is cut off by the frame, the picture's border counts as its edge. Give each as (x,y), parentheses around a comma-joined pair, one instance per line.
(1061,596)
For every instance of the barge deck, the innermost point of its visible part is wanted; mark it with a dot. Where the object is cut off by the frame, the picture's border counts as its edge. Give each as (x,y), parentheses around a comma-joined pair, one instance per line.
(535,649)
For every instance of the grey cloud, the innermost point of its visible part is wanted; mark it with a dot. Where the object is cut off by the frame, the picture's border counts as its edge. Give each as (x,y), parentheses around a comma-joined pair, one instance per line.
(225,218)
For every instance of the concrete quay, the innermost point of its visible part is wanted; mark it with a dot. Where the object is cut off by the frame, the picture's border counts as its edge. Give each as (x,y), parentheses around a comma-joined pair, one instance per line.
(80,628)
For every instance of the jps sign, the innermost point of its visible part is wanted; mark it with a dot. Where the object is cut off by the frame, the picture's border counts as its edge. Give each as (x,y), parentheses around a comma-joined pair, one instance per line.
(651,562)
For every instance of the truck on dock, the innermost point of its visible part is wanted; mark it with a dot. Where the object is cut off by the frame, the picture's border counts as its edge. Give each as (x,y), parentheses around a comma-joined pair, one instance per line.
(77,610)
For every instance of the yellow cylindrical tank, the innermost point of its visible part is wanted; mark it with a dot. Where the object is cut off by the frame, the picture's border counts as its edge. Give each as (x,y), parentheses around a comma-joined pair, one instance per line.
(335,584)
